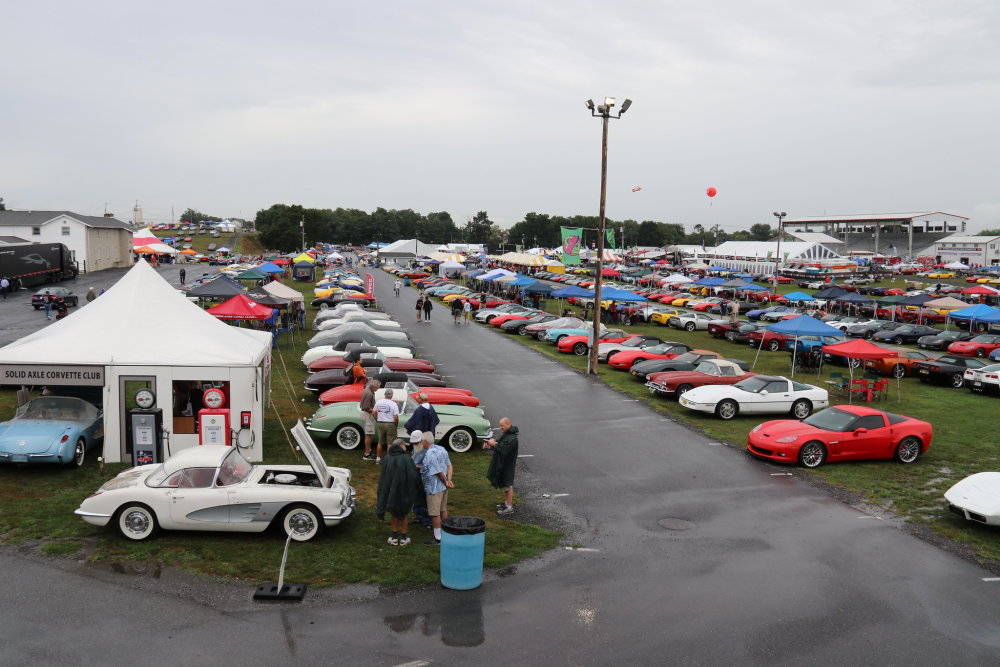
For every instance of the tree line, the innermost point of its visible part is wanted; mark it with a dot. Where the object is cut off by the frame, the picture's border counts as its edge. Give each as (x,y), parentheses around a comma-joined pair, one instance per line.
(281,227)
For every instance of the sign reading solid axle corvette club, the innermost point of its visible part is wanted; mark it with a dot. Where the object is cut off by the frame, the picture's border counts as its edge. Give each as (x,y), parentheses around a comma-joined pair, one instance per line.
(54,375)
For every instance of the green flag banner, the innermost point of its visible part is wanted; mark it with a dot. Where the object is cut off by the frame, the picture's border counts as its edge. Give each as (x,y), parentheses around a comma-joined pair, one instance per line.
(610,236)
(571,238)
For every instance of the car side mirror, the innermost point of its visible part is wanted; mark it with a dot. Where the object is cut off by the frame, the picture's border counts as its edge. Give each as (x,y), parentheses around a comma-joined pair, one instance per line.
(763,392)
(860,431)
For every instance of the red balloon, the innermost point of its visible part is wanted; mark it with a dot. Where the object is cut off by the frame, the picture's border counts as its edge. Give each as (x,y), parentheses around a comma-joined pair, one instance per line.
(711,192)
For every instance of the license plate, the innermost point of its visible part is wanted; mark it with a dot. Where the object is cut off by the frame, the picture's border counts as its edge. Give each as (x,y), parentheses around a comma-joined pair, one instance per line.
(923,371)
(977,383)
(20,458)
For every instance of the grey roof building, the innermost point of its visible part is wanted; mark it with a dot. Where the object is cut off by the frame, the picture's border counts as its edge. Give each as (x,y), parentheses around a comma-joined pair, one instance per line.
(96,242)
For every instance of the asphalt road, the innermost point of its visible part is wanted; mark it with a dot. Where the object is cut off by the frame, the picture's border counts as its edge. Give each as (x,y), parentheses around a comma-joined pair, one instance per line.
(691,553)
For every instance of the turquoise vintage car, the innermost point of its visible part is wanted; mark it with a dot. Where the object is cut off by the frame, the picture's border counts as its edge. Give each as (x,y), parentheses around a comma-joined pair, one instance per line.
(460,429)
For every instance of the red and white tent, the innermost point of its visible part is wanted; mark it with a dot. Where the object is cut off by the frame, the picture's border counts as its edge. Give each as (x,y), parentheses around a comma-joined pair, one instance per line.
(146,237)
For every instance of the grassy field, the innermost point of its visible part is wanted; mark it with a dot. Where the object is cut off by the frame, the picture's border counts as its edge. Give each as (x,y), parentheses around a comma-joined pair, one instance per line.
(36,510)
(965,440)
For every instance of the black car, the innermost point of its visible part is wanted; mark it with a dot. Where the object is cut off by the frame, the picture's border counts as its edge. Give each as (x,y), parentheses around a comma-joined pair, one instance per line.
(38,298)
(948,368)
(869,330)
(742,333)
(908,333)
(685,362)
(335,300)
(940,340)
(517,326)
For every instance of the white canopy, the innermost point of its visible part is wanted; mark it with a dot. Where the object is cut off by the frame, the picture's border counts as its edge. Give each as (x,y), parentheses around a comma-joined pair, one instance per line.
(140,321)
(956,265)
(284,291)
(146,237)
(406,248)
(675,279)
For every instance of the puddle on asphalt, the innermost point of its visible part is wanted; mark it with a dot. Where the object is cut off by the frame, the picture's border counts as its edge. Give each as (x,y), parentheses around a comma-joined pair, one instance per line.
(460,623)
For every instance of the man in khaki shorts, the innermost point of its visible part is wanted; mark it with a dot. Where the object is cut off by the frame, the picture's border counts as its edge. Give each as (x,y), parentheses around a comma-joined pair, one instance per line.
(435,473)
(367,408)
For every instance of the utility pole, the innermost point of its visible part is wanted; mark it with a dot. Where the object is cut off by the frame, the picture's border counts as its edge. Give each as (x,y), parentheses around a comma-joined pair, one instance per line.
(777,260)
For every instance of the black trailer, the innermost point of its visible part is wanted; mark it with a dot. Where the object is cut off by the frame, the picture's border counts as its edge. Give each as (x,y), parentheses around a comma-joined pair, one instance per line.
(36,263)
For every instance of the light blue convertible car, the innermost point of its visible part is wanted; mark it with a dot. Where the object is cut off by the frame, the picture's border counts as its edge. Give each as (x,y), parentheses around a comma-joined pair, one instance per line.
(51,429)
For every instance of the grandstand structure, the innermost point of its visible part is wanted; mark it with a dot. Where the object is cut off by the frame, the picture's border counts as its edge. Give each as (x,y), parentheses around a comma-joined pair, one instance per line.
(890,233)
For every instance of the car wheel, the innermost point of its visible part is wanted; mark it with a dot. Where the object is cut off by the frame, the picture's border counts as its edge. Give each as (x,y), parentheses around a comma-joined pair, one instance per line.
(908,450)
(683,389)
(898,340)
(801,408)
(521,331)
(540,336)
(323,305)
(136,522)
(607,359)
(854,363)
(898,371)
(79,453)
(302,523)
(350,436)
(980,352)
(580,349)
(460,439)
(690,326)
(774,346)
(869,335)
(489,318)
(560,338)
(812,454)
(727,409)
(730,336)
(957,380)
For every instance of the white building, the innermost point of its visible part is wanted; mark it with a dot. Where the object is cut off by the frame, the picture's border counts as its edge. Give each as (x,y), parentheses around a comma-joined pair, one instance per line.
(892,233)
(95,242)
(759,257)
(971,250)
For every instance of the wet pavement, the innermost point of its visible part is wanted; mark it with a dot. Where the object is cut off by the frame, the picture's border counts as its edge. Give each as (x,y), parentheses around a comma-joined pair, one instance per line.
(681,550)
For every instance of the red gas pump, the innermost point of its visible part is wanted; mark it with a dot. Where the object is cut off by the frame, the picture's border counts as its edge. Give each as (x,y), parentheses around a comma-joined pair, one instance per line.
(213,419)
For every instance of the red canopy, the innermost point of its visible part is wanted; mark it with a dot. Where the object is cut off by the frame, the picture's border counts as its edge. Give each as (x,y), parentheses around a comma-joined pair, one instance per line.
(979,289)
(859,348)
(281,262)
(610,272)
(241,307)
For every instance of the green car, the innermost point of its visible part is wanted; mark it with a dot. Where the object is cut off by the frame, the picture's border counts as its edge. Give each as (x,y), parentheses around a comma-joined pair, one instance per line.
(461,427)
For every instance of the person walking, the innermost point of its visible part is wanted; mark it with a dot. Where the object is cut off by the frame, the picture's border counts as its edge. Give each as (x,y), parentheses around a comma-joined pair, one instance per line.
(367,409)
(91,294)
(503,463)
(4,287)
(467,311)
(396,285)
(456,310)
(420,306)
(358,373)
(427,309)
(435,472)
(48,305)
(183,275)
(424,418)
(397,491)
(387,421)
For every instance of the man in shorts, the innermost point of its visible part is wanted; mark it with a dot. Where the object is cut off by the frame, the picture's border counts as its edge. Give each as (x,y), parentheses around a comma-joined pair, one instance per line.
(387,421)
(435,472)
(367,408)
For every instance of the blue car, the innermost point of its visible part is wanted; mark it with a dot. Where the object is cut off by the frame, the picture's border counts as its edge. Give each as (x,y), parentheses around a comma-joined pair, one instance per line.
(555,335)
(51,429)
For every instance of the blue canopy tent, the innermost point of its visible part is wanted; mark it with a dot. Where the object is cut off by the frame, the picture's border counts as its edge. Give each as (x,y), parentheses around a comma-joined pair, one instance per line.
(751,287)
(803,325)
(522,281)
(270,267)
(978,313)
(539,288)
(799,296)
(572,290)
(708,282)
(716,268)
(615,294)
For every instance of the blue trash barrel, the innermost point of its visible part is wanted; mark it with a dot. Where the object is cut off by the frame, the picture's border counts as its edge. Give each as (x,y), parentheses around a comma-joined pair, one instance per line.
(463,542)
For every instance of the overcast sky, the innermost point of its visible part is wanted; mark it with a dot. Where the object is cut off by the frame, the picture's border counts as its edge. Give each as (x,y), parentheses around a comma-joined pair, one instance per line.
(810,107)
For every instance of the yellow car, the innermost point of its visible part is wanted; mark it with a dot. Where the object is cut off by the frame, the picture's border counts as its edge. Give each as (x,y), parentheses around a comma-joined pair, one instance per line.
(940,275)
(682,301)
(664,315)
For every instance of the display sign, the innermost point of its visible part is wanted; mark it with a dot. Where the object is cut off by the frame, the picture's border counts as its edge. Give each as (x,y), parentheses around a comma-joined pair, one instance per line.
(37,374)
(369,285)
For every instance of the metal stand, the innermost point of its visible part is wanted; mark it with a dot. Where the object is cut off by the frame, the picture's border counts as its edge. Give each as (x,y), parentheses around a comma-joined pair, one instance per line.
(280,592)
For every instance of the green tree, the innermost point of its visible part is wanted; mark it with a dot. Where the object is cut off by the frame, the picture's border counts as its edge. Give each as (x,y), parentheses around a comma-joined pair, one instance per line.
(278,227)
(762,232)
(650,234)
(985,232)
(192,216)
(480,229)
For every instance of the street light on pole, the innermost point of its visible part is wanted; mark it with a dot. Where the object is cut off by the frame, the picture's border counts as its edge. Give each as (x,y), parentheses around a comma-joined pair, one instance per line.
(302,226)
(603,112)
(777,260)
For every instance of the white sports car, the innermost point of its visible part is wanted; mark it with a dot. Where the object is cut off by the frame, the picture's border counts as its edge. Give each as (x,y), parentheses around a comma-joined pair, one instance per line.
(604,350)
(314,354)
(756,395)
(693,321)
(213,487)
(976,498)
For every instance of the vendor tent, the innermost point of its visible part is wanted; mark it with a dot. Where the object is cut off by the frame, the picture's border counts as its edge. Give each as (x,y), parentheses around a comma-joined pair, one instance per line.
(268,299)
(143,332)
(449,267)
(222,286)
(572,290)
(615,294)
(978,313)
(981,290)
(803,325)
(270,267)
(956,265)
(240,307)
(799,296)
(538,288)
(251,274)
(146,238)
(829,293)
(676,279)
(283,291)
(406,249)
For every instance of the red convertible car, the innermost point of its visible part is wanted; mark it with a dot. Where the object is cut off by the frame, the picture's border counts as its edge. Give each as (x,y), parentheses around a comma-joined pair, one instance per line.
(487,302)
(843,433)
(435,395)
(580,345)
(980,346)
(397,365)
(624,359)
(710,371)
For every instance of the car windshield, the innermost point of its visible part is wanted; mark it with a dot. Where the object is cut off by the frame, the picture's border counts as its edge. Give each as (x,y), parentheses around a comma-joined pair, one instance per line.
(60,408)
(234,469)
(752,385)
(708,368)
(831,419)
(688,356)
(662,348)
(983,339)
(634,342)
(950,335)
(906,328)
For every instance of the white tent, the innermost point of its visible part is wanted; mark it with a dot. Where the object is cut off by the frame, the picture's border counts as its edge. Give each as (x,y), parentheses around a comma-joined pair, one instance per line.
(675,279)
(956,265)
(284,291)
(406,249)
(450,267)
(143,332)
(146,237)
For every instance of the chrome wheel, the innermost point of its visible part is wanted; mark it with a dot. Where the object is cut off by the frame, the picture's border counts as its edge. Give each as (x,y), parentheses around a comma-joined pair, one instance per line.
(812,454)
(957,380)
(683,389)
(302,523)
(774,346)
(801,408)
(460,440)
(898,371)
(349,436)
(690,326)
(727,409)
(137,522)
(908,450)
(79,453)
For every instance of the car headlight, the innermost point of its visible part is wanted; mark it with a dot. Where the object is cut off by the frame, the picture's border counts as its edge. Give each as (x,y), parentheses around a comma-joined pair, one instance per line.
(787,439)
(756,428)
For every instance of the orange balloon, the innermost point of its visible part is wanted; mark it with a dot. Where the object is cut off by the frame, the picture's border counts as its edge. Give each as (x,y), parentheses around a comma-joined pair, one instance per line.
(711,192)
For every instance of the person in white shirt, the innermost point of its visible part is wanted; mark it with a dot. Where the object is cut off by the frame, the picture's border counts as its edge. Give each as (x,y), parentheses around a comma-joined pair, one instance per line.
(387,422)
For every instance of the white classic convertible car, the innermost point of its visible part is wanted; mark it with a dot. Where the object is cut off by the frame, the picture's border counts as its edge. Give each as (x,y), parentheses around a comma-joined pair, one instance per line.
(756,395)
(213,487)
(976,498)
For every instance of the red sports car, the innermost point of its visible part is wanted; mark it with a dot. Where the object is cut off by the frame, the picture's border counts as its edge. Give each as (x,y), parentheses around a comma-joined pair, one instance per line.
(704,304)
(980,346)
(436,395)
(624,359)
(506,317)
(393,364)
(843,433)
(580,345)
(488,302)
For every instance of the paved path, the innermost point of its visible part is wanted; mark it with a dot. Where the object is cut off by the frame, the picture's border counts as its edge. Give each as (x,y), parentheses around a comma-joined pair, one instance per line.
(767,570)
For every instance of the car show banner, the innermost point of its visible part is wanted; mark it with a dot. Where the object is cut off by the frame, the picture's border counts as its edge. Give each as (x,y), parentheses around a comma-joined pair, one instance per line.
(571,244)
(32,374)
(609,234)
(369,285)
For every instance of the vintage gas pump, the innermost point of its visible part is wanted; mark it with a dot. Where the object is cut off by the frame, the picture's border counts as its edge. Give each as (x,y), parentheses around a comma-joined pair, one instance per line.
(213,419)
(145,424)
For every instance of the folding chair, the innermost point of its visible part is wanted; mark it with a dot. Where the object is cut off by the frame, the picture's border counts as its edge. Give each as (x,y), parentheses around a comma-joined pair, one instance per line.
(880,390)
(837,381)
(860,387)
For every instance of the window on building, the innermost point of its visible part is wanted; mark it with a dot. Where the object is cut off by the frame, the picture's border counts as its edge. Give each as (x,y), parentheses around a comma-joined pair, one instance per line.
(187,402)
(65,231)
(36,231)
